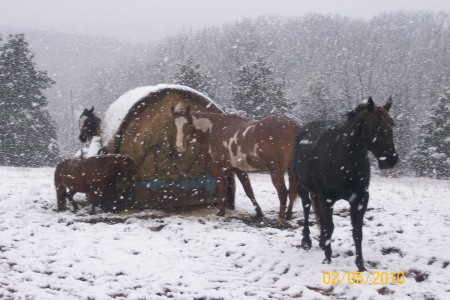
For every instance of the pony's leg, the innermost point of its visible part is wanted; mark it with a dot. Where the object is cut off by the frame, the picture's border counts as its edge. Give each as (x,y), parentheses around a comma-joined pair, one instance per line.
(326,227)
(61,198)
(306,203)
(245,181)
(292,193)
(74,204)
(278,182)
(357,210)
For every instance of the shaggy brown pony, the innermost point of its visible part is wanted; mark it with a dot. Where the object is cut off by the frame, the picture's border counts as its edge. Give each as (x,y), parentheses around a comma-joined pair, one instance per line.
(92,176)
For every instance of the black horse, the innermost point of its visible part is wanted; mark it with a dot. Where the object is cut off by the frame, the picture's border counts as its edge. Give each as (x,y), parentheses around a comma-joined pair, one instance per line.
(331,163)
(89,125)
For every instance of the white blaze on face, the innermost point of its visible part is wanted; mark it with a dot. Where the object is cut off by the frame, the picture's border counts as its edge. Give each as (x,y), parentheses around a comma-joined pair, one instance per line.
(180,122)
(82,120)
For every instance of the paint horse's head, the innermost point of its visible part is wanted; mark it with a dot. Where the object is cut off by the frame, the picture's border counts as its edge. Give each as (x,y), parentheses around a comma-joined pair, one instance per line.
(184,126)
(89,125)
(377,127)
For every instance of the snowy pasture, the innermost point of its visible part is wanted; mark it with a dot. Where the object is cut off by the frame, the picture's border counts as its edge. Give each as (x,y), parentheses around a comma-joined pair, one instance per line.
(197,255)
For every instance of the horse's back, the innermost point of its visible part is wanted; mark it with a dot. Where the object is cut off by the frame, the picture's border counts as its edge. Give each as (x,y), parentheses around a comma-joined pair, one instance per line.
(277,130)
(307,142)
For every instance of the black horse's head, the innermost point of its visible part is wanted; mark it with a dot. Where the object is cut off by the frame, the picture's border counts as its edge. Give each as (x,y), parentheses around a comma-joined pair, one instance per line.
(377,127)
(89,125)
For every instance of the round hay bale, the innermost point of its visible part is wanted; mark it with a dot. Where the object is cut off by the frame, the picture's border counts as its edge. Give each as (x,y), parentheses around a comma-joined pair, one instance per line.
(140,124)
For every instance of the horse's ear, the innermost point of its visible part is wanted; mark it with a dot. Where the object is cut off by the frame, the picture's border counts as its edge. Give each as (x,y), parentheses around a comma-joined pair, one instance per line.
(388,104)
(91,110)
(370,104)
(351,114)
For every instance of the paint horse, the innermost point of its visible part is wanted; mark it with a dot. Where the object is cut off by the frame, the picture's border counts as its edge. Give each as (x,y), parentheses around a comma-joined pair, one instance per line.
(93,176)
(234,144)
(331,163)
(89,125)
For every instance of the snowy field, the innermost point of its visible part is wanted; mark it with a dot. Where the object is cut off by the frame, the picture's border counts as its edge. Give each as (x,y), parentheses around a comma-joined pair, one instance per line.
(197,255)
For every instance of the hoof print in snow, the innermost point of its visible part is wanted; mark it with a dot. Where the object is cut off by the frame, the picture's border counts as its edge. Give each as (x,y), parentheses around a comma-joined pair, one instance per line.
(418,275)
(385,291)
(392,250)
(157,228)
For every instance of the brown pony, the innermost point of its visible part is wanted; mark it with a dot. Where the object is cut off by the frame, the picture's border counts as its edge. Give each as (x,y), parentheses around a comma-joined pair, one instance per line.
(234,144)
(92,176)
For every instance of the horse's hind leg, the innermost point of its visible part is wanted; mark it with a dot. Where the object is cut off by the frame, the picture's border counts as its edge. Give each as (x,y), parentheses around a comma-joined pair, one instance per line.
(245,181)
(292,194)
(326,227)
(357,210)
(280,185)
(306,203)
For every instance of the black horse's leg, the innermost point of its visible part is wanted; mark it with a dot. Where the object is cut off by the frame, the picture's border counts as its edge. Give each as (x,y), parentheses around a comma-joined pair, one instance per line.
(245,181)
(357,210)
(306,203)
(326,227)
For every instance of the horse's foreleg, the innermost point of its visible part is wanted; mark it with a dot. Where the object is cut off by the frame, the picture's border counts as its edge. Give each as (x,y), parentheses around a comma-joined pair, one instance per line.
(326,227)
(70,197)
(245,181)
(357,210)
(221,194)
(278,182)
(306,203)
(292,194)
(231,191)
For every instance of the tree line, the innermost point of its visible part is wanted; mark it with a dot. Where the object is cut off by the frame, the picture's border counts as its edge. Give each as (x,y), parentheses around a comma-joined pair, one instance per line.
(306,68)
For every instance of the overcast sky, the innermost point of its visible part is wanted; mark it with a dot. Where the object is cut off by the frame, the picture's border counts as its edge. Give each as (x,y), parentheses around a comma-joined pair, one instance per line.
(150,20)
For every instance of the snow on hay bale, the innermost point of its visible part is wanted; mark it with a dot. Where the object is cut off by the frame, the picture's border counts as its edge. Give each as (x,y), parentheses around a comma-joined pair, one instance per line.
(139,124)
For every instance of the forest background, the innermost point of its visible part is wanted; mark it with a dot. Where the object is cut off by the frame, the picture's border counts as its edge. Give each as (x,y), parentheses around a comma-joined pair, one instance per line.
(311,67)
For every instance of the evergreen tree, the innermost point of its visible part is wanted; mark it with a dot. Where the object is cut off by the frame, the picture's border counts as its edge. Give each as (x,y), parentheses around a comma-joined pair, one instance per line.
(190,74)
(257,93)
(431,157)
(27,133)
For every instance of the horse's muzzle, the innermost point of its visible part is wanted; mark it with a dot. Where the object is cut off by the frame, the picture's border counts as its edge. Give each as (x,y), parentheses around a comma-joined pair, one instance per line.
(82,138)
(181,149)
(387,162)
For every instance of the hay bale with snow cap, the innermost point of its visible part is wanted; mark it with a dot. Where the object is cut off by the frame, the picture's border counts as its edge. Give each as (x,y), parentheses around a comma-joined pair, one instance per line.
(139,124)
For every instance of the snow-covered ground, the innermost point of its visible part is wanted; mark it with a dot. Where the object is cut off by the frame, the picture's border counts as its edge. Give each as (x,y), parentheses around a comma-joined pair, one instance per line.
(197,255)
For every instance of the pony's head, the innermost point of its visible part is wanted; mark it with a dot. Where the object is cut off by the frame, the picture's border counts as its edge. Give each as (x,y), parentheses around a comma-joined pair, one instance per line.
(184,126)
(377,127)
(89,125)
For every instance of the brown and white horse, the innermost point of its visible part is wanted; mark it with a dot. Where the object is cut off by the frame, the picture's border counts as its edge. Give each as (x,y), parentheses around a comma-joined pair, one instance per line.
(234,144)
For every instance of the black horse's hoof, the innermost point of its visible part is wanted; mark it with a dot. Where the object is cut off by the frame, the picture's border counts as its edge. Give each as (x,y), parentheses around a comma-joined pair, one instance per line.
(326,261)
(288,215)
(361,267)
(306,244)
(221,213)
(231,206)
